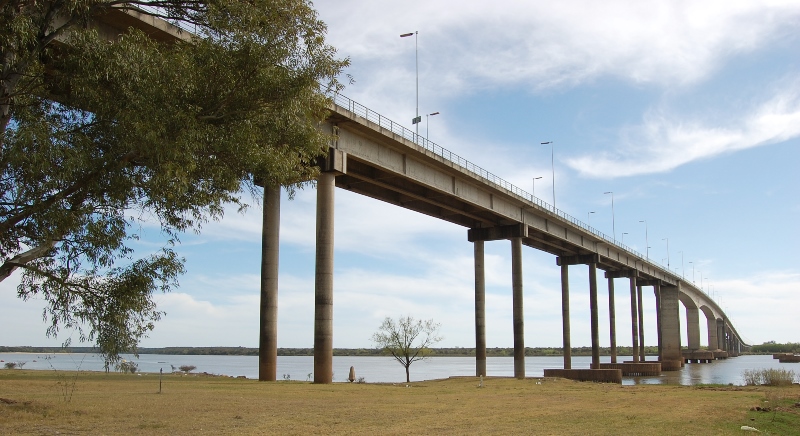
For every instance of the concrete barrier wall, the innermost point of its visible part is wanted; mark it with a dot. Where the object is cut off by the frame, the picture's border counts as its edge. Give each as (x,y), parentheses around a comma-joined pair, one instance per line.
(636,369)
(595,375)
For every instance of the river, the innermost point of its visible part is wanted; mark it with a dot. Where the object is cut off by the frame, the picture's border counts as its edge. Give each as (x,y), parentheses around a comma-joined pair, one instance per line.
(386,370)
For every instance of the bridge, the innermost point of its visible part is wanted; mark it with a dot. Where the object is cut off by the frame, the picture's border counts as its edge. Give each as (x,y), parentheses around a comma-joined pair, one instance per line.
(376,157)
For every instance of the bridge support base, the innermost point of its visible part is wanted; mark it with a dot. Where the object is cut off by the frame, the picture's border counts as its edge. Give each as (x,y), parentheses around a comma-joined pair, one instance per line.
(595,375)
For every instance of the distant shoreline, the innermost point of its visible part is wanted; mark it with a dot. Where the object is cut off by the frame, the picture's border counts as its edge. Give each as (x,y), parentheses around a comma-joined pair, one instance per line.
(245,351)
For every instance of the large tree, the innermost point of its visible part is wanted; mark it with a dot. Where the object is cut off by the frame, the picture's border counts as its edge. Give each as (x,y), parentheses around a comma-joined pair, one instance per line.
(407,340)
(98,135)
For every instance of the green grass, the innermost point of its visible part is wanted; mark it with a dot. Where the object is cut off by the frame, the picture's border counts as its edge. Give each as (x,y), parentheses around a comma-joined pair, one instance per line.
(124,403)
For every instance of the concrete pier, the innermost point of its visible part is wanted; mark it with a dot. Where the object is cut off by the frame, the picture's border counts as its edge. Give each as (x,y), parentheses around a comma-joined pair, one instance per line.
(641,323)
(594,314)
(480,310)
(518,314)
(565,333)
(634,322)
(672,358)
(711,326)
(268,314)
(657,293)
(693,328)
(612,320)
(323,284)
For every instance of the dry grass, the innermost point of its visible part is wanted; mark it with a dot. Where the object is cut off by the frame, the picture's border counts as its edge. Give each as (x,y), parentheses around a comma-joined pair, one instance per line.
(116,403)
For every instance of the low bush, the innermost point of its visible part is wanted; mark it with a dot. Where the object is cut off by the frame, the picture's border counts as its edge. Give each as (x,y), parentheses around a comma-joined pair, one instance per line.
(127,366)
(769,377)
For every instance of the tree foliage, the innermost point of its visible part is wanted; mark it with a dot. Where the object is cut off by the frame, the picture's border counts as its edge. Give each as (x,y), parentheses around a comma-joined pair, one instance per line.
(407,340)
(100,137)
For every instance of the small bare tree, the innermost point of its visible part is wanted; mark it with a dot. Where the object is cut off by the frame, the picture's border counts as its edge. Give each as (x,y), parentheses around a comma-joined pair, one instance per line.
(407,340)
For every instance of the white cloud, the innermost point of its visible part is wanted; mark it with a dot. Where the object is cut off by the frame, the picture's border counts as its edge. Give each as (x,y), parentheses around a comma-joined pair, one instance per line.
(663,143)
(479,44)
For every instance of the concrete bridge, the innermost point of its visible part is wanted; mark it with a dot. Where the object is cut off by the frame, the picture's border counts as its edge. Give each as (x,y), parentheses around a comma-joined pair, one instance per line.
(374,156)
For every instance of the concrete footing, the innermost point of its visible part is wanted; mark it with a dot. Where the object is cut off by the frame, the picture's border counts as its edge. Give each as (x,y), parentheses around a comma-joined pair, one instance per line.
(719,354)
(595,375)
(789,358)
(671,365)
(698,356)
(635,369)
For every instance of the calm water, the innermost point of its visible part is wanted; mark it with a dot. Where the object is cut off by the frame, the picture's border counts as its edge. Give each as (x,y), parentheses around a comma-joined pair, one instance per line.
(386,369)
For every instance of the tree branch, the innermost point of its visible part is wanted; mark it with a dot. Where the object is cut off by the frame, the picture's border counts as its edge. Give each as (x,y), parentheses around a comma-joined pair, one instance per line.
(21,259)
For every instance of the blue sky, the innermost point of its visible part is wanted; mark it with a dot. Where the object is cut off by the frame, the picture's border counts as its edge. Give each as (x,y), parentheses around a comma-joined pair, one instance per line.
(688,111)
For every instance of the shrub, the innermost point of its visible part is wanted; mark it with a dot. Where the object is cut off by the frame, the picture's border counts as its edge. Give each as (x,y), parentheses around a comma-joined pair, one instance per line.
(10,365)
(769,377)
(187,368)
(127,366)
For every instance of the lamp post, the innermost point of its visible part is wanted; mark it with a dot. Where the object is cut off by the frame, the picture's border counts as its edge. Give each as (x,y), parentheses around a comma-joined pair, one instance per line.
(646,241)
(588,220)
(623,237)
(553,168)
(534,185)
(428,124)
(613,219)
(692,270)
(667,239)
(683,271)
(417,119)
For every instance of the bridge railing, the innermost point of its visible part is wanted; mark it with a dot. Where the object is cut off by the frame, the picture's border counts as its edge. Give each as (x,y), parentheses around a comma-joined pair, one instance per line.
(454,159)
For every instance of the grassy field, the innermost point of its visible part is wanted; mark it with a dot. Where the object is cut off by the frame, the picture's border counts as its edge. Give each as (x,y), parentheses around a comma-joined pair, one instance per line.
(42,402)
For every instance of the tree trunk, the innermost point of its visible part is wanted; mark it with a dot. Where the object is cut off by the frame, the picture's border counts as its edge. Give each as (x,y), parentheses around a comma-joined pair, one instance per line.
(408,378)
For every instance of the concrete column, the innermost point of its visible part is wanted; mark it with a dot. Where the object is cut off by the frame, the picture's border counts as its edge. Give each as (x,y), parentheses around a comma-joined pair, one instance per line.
(720,335)
(725,337)
(519,318)
(641,323)
(612,320)
(634,322)
(565,316)
(594,315)
(711,325)
(268,314)
(693,328)
(480,310)
(657,292)
(323,285)
(670,329)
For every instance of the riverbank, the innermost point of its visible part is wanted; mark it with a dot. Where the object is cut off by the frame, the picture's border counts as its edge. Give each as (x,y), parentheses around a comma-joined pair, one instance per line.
(354,352)
(39,402)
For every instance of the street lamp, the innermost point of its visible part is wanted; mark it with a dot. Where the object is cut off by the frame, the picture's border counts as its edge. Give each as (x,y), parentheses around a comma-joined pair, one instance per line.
(588,221)
(553,168)
(667,239)
(692,270)
(417,119)
(534,185)
(613,220)
(428,124)
(623,237)
(646,241)
(683,271)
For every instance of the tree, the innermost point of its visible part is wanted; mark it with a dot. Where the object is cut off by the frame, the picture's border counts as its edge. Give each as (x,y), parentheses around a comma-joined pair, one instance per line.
(99,138)
(407,340)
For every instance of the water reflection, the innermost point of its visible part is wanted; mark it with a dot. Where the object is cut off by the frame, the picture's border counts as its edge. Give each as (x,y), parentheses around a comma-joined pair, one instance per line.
(380,369)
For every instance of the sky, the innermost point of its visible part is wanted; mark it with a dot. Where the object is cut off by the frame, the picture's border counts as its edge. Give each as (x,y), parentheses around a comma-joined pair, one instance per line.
(689,112)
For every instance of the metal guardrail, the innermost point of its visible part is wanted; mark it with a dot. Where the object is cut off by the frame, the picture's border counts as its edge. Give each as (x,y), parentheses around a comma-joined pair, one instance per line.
(454,159)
